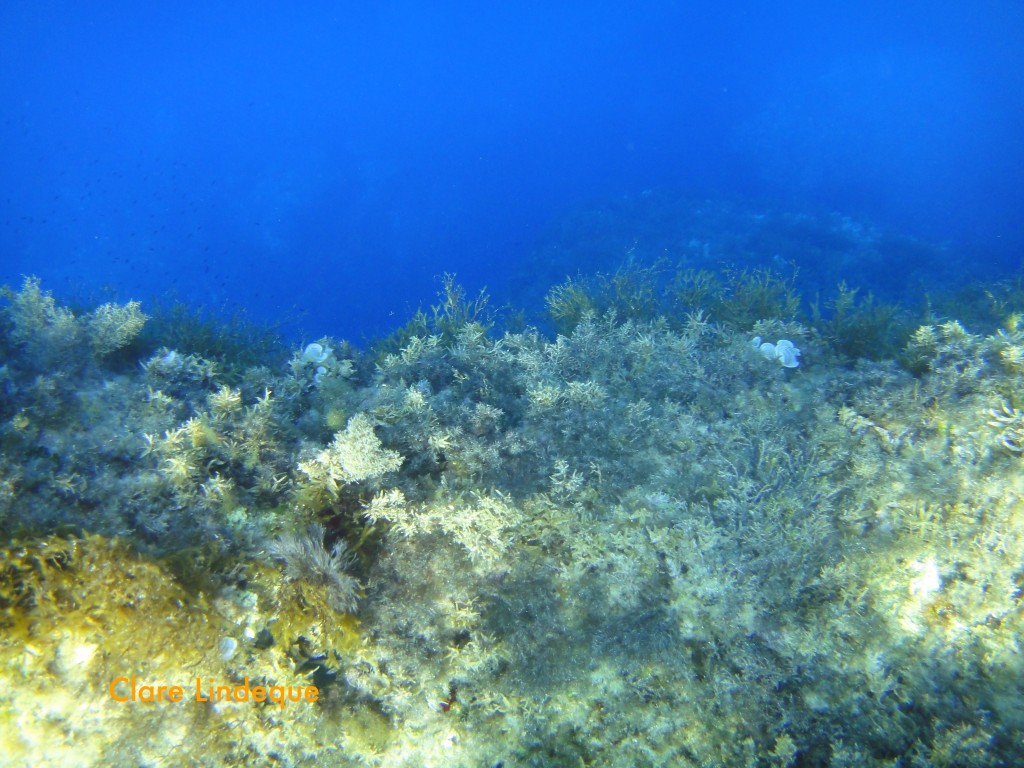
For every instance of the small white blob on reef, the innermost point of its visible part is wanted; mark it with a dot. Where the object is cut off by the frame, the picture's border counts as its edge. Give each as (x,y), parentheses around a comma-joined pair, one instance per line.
(783,350)
(316,353)
(227,647)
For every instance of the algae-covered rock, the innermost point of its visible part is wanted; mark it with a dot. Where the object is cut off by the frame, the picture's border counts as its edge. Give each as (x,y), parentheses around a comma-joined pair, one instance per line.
(635,543)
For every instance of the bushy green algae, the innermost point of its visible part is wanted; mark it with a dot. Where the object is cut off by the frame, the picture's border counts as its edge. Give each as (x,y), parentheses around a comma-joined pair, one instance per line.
(637,543)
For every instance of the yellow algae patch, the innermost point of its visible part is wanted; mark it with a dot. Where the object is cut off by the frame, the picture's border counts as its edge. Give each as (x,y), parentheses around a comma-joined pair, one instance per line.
(102,653)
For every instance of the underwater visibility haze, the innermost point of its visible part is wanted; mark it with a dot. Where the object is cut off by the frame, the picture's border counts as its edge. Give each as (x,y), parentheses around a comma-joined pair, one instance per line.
(330,160)
(544,384)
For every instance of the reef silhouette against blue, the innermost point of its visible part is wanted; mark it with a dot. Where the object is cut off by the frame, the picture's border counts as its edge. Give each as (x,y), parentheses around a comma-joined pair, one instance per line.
(546,384)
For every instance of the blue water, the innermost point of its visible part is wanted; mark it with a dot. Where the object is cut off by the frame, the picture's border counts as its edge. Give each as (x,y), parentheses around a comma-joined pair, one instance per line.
(321,164)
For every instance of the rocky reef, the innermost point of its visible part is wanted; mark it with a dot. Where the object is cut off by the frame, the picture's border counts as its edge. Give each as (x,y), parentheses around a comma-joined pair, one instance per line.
(634,541)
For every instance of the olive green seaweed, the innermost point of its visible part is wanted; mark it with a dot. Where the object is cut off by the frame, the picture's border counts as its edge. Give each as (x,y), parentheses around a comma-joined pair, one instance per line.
(635,542)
